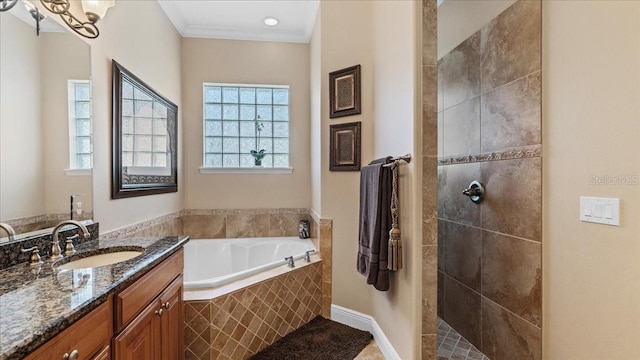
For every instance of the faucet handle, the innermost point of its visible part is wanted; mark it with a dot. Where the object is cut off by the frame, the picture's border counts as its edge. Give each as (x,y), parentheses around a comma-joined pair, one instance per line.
(69,248)
(35,254)
(307,255)
(290,262)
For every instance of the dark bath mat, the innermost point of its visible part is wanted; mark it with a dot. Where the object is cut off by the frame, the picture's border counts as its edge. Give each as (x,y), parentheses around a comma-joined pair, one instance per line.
(320,339)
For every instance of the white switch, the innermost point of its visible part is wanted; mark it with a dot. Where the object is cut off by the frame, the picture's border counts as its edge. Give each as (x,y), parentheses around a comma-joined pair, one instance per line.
(600,210)
(608,211)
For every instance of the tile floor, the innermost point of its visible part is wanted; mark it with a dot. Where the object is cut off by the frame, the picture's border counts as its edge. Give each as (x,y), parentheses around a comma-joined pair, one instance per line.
(452,346)
(371,352)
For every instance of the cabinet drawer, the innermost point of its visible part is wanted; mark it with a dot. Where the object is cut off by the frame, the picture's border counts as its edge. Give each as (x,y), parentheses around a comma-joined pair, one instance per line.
(88,336)
(136,297)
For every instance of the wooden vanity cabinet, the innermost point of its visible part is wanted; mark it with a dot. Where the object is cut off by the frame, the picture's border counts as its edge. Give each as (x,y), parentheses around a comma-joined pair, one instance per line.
(155,332)
(87,338)
(147,318)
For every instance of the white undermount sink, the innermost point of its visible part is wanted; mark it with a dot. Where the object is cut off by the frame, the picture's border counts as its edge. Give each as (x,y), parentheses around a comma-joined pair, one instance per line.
(103,259)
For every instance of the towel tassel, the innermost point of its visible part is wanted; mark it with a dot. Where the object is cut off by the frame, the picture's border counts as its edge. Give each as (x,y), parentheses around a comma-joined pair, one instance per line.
(395,240)
(395,249)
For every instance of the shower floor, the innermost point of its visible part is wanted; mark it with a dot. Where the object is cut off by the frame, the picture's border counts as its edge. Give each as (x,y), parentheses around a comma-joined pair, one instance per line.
(452,346)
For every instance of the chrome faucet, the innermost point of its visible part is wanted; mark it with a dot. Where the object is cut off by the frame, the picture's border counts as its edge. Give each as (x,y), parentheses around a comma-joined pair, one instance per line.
(55,246)
(9,230)
(307,255)
(290,262)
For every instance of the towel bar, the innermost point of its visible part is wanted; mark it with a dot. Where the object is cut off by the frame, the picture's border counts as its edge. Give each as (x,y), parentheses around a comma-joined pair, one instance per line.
(393,161)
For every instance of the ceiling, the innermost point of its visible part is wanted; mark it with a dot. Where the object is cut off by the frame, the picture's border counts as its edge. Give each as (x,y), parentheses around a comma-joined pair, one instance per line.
(243,19)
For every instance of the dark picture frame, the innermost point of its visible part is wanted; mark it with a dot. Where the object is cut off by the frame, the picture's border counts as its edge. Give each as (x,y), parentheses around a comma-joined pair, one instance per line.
(130,181)
(344,92)
(344,147)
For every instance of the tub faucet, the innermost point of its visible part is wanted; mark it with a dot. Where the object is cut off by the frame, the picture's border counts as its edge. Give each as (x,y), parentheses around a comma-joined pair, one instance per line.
(307,255)
(55,246)
(290,262)
(9,230)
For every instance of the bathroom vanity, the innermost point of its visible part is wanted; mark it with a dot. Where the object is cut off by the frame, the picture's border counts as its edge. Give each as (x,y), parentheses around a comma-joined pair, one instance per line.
(127,310)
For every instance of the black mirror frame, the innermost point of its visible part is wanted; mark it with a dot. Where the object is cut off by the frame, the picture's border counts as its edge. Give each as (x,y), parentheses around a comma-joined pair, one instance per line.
(121,184)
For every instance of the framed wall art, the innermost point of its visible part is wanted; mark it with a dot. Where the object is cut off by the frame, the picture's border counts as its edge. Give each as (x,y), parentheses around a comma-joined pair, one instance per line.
(344,147)
(344,92)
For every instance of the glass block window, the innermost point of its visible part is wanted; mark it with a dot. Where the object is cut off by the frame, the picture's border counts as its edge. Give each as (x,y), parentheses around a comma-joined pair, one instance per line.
(80,145)
(239,119)
(144,129)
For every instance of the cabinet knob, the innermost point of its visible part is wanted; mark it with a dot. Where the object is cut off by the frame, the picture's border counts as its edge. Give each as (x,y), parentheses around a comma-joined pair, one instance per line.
(75,354)
(159,312)
(167,305)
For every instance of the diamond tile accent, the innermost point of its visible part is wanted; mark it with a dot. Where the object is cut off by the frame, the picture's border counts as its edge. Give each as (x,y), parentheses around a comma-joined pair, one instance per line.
(239,324)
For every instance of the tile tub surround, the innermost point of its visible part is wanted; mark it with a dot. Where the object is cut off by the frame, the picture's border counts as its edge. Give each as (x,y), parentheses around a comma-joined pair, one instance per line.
(489,271)
(11,254)
(241,323)
(27,290)
(229,223)
(218,224)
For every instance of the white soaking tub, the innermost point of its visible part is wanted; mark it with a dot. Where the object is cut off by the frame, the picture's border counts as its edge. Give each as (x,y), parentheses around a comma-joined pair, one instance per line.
(209,263)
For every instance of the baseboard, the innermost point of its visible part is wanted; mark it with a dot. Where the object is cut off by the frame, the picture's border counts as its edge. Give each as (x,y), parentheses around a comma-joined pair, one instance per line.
(367,323)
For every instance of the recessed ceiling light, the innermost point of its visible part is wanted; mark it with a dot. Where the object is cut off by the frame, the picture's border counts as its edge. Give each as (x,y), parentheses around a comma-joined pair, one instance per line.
(271,21)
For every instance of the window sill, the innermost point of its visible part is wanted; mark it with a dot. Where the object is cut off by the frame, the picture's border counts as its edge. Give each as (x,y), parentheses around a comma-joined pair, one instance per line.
(77,172)
(253,171)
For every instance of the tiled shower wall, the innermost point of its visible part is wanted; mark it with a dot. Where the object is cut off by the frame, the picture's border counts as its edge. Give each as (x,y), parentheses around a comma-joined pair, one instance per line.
(489,117)
(429,180)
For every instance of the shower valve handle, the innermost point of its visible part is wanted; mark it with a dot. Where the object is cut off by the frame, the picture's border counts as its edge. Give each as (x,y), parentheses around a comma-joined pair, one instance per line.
(475,192)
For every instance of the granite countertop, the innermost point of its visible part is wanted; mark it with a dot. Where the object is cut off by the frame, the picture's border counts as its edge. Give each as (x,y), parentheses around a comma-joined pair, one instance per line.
(36,303)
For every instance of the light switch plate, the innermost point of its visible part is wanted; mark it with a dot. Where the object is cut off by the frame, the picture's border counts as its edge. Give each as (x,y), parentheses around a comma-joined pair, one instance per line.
(600,210)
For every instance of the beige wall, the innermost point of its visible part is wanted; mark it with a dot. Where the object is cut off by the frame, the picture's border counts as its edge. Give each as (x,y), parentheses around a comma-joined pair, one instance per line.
(140,37)
(21,150)
(591,112)
(316,74)
(65,57)
(250,62)
(380,37)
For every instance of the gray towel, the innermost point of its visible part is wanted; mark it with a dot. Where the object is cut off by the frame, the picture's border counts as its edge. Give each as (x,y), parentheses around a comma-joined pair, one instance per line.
(375,223)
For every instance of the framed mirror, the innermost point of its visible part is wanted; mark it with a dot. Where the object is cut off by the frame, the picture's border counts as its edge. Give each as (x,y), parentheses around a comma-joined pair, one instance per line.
(145,141)
(45,125)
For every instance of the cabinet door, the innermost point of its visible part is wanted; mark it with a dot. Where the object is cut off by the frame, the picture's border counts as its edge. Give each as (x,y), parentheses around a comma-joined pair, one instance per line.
(142,338)
(172,321)
(105,354)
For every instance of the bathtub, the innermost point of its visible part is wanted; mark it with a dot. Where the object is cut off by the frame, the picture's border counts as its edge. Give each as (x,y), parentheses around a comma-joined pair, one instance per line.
(213,263)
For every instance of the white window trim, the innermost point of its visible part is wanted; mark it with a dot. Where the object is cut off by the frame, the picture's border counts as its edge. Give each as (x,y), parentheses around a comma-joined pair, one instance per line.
(78,172)
(73,169)
(252,171)
(243,170)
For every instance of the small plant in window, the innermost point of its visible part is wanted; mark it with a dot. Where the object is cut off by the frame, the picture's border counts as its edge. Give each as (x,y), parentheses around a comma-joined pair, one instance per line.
(258,155)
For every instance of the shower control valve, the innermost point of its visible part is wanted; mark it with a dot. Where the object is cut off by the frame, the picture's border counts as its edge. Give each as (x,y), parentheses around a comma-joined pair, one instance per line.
(475,192)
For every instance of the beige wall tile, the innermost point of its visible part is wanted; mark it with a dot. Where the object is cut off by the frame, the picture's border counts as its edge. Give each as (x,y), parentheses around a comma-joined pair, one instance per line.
(452,204)
(463,254)
(429,289)
(430,201)
(513,204)
(205,226)
(506,336)
(462,128)
(460,71)
(286,224)
(462,310)
(247,225)
(429,110)
(512,114)
(512,274)
(511,45)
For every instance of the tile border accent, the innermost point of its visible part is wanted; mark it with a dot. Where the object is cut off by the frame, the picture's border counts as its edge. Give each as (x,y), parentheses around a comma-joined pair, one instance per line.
(531,151)
(129,230)
(187,212)
(365,322)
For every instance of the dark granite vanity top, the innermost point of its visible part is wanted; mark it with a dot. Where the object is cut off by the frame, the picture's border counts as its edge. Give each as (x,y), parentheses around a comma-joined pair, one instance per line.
(36,303)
